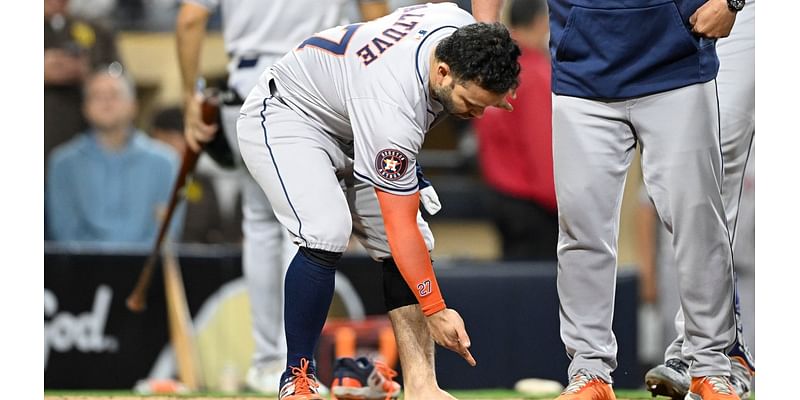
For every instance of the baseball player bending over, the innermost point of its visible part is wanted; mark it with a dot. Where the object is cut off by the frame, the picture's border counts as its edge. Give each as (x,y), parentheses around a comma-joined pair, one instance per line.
(331,133)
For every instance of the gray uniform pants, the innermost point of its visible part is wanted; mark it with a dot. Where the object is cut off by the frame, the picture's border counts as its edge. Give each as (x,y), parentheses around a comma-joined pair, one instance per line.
(308,178)
(593,145)
(736,80)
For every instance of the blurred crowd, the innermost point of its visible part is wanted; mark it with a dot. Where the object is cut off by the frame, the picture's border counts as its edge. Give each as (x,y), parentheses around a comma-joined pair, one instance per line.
(108,180)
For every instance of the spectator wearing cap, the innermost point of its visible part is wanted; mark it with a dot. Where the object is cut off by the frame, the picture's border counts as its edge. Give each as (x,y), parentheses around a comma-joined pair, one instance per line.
(73,47)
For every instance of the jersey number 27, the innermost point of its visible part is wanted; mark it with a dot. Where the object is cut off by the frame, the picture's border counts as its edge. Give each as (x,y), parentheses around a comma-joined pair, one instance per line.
(332,46)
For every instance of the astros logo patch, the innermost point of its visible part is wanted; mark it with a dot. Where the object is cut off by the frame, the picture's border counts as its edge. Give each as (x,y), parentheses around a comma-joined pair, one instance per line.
(391,164)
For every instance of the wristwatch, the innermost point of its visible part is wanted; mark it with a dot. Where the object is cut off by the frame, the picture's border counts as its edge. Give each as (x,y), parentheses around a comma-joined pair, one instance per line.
(735,5)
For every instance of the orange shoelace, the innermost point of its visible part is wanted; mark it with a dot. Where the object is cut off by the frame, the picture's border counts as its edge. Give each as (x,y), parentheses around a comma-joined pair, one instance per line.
(302,382)
(389,374)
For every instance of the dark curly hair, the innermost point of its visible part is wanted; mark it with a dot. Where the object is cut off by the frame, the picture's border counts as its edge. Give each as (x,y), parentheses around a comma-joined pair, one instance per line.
(484,54)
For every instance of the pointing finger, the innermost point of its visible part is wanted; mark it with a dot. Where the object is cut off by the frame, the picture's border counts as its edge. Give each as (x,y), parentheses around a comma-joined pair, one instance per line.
(464,344)
(468,356)
(463,348)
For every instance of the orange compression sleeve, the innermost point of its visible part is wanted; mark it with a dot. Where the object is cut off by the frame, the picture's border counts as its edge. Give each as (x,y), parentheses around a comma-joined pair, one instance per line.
(409,250)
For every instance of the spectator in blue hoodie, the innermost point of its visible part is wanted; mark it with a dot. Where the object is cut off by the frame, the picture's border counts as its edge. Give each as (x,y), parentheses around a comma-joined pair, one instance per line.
(627,74)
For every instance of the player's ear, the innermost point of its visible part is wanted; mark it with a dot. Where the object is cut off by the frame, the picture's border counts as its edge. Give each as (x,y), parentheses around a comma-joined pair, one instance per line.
(443,74)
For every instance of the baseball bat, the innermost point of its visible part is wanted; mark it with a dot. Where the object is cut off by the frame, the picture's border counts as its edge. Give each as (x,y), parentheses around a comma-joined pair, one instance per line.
(137,301)
(181,331)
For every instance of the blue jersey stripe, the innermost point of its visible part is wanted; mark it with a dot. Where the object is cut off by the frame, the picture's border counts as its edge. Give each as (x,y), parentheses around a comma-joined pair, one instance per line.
(416,61)
(275,164)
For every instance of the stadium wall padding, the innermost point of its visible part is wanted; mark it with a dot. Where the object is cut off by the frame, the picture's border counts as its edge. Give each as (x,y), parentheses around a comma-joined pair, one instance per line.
(511,311)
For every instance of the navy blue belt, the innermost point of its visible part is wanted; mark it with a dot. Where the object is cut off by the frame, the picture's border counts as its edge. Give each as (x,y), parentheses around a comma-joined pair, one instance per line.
(247,62)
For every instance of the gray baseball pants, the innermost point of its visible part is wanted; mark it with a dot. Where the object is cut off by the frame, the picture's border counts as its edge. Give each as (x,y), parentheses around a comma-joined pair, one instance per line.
(308,178)
(736,85)
(593,146)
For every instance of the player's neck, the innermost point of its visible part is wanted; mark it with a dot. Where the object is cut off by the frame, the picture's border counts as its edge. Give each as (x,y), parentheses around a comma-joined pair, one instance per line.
(432,71)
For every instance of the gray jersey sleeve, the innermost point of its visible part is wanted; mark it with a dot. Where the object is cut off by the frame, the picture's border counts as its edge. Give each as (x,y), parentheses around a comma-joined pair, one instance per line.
(386,141)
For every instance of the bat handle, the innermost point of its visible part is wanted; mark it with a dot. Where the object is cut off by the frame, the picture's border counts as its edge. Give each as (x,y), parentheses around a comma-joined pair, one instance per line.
(137,301)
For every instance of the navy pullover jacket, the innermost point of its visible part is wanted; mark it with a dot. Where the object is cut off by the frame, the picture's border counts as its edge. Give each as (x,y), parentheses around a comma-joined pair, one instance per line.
(619,49)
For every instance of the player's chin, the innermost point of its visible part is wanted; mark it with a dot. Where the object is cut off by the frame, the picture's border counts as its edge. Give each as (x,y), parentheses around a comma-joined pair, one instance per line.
(463,115)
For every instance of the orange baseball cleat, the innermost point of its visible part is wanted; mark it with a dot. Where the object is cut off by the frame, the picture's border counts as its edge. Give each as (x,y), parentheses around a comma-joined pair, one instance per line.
(585,386)
(712,388)
(300,385)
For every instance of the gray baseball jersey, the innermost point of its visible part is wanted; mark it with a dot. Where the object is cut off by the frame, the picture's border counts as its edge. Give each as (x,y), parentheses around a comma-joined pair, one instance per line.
(368,85)
(346,111)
